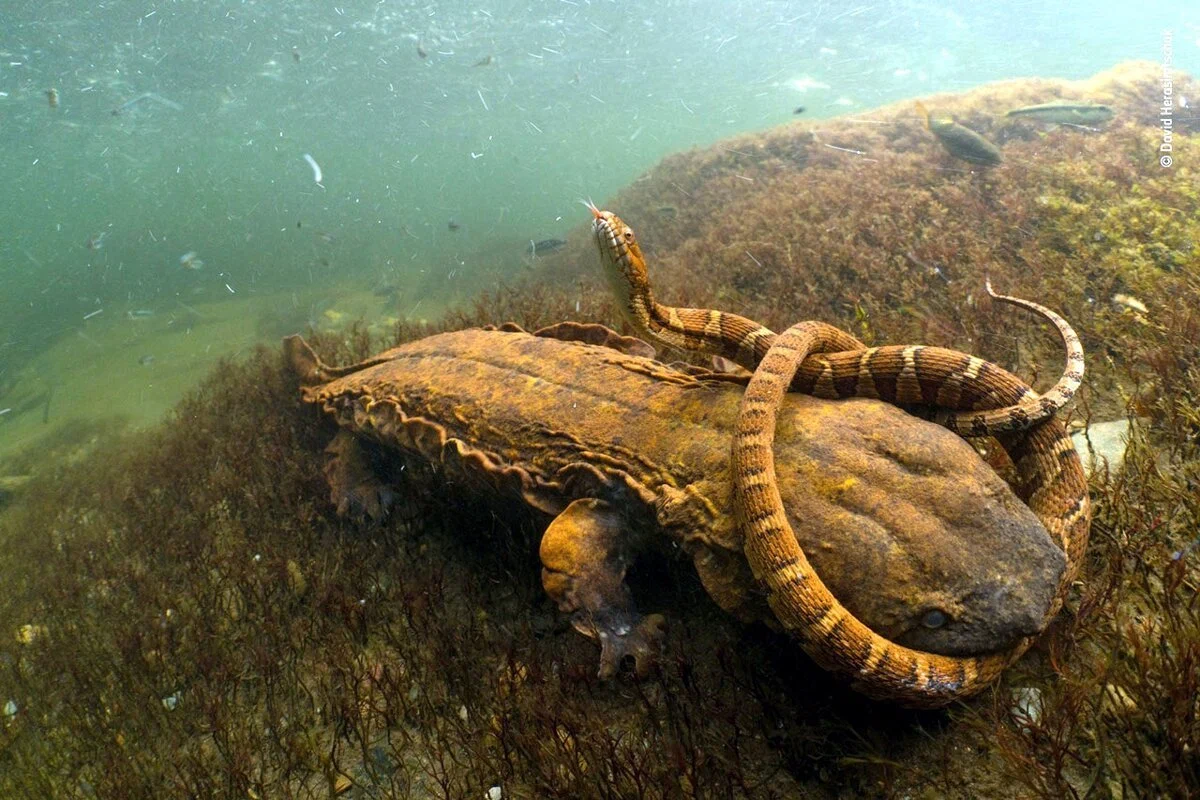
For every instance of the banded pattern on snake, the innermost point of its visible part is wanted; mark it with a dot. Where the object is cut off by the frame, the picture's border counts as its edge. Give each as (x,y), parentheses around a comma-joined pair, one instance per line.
(976,398)
(901,375)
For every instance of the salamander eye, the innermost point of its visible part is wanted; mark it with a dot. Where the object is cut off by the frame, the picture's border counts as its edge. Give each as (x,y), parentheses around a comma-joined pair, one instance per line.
(934,619)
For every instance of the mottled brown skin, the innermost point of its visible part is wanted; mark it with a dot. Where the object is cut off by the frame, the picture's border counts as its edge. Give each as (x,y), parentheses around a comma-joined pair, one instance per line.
(900,516)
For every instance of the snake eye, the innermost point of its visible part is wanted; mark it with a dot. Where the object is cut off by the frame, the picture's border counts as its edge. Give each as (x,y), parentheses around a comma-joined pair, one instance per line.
(934,619)
(629,236)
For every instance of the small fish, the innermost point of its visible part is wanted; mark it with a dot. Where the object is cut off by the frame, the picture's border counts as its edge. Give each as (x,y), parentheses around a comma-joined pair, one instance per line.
(452,225)
(960,141)
(1066,113)
(146,98)
(52,97)
(296,55)
(96,241)
(1130,302)
(191,260)
(146,360)
(140,313)
(421,51)
(483,62)
(799,110)
(546,246)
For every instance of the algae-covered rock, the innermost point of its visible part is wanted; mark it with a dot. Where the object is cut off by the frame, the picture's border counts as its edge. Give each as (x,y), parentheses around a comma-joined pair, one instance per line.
(866,222)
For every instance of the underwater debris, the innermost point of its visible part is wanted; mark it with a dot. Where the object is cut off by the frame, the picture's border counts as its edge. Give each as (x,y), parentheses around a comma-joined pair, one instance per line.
(316,171)
(191,261)
(960,141)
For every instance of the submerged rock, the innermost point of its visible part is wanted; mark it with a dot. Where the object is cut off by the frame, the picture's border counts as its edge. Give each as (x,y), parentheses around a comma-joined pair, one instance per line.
(1103,444)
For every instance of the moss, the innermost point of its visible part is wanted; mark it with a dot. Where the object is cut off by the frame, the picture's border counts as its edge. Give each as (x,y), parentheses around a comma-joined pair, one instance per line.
(190,618)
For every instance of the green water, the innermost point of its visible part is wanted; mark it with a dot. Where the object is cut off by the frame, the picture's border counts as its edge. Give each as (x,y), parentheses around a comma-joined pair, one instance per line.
(448,135)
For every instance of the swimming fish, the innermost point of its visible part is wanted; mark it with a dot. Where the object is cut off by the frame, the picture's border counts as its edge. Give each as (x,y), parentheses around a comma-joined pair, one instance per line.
(546,246)
(146,97)
(1072,113)
(52,97)
(960,141)
(1130,302)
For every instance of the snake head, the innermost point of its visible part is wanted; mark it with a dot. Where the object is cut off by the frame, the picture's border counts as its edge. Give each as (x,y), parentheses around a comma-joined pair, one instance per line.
(621,257)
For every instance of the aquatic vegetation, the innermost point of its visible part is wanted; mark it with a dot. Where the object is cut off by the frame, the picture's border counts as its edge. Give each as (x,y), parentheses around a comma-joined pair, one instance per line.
(201,623)
(189,617)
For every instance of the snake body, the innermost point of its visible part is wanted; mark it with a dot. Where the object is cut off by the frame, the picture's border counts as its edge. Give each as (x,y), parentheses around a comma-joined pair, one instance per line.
(975,398)
(896,374)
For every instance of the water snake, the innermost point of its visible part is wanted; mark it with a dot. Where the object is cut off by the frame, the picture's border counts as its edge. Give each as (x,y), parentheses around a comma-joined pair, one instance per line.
(977,398)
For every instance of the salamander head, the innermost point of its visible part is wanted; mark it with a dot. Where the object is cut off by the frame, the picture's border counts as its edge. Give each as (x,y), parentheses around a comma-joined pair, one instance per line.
(957,597)
(914,533)
(994,615)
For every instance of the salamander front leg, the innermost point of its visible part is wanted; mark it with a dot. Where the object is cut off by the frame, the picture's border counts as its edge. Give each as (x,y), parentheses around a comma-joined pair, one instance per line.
(353,485)
(585,553)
